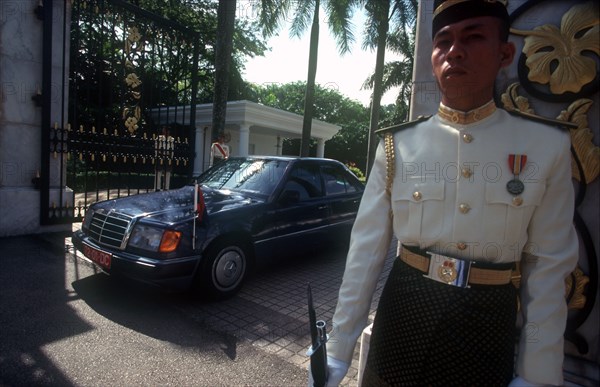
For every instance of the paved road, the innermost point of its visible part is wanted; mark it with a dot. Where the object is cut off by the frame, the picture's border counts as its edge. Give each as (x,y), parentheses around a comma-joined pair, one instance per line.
(62,323)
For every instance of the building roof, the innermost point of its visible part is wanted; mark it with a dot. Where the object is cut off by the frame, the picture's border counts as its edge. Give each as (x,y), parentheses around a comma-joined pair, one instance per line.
(266,120)
(259,118)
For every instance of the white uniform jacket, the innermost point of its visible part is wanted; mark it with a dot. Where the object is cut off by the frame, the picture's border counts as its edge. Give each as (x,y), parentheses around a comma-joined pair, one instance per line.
(449,196)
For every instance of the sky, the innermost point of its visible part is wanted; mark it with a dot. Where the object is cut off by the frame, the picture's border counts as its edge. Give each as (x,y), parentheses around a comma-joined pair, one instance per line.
(288,62)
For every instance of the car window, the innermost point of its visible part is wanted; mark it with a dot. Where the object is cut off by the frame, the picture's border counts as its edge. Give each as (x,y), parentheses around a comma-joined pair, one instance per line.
(250,175)
(336,181)
(308,177)
(297,185)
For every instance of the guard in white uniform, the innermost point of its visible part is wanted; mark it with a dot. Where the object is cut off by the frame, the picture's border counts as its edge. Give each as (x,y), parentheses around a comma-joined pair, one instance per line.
(468,193)
(219,151)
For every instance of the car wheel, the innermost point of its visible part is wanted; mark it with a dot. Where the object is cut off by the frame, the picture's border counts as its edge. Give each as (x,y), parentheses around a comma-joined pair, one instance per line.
(224,269)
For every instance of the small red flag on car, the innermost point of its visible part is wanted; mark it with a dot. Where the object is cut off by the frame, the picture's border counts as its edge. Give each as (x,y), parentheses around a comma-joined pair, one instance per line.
(199,201)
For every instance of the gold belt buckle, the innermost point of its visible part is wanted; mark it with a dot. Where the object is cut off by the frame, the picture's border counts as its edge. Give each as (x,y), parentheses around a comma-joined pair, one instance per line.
(449,271)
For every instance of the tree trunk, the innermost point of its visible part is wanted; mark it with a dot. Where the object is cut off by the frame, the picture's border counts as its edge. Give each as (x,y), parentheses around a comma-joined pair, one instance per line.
(382,31)
(223,49)
(310,83)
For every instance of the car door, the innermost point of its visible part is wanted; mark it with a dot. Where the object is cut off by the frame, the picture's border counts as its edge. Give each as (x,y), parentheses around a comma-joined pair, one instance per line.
(301,213)
(343,193)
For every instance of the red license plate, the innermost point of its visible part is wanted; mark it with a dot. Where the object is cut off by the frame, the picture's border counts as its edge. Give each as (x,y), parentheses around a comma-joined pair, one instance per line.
(99,257)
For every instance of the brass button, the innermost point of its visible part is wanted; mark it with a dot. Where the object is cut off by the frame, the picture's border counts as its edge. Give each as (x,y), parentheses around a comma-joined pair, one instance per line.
(467,138)
(466,172)
(461,245)
(417,195)
(517,201)
(464,208)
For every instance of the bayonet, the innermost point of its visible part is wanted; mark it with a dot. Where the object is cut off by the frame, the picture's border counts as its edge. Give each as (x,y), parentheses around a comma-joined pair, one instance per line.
(318,351)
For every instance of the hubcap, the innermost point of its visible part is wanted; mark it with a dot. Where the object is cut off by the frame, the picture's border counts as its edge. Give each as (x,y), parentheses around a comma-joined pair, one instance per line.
(229,269)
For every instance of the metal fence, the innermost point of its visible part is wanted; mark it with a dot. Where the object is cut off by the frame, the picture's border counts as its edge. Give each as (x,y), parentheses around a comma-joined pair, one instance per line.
(126,111)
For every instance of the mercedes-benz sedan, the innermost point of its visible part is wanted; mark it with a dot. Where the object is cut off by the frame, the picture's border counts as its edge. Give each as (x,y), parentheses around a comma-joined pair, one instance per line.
(207,236)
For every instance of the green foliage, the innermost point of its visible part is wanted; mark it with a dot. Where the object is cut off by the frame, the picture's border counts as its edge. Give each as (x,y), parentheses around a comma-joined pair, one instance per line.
(201,16)
(357,172)
(274,14)
(99,31)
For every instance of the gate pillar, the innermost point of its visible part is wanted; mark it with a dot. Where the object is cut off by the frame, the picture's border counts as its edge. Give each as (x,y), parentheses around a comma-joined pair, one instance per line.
(28,104)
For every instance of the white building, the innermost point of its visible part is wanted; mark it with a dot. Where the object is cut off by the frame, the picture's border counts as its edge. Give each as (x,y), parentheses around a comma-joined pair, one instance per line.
(251,129)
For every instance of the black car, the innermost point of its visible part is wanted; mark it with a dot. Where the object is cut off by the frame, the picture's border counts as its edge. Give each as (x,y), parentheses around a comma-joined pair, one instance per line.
(251,209)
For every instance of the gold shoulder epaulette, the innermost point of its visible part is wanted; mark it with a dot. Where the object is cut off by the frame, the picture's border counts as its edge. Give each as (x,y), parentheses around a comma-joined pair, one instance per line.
(401,126)
(548,121)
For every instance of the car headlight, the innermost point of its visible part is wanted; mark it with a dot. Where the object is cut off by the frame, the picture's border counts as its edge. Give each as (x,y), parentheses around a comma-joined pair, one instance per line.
(154,239)
(145,237)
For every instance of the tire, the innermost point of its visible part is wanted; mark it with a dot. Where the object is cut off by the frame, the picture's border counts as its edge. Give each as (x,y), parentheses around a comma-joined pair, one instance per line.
(224,270)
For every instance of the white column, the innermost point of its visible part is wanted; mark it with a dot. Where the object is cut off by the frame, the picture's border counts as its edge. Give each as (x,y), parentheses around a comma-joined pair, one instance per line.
(320,147)
(244,138)
(199,145)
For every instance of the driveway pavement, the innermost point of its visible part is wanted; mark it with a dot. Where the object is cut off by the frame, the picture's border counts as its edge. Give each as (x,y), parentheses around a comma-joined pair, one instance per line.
(63,323)
(271,311)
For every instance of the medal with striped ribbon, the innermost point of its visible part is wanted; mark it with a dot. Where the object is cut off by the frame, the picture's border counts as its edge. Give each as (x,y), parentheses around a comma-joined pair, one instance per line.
(516,164)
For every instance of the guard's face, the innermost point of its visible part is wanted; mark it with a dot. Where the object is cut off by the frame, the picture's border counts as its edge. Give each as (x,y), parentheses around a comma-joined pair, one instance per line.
(466,58)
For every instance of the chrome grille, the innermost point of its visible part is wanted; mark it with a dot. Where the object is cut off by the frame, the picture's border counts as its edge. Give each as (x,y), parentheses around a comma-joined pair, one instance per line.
(109,229)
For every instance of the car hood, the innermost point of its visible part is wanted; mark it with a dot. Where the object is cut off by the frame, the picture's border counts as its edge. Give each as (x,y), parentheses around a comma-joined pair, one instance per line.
(176,205)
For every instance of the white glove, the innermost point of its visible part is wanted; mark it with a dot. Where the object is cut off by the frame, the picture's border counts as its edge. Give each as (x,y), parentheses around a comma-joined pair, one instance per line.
(520,382)
(336,370)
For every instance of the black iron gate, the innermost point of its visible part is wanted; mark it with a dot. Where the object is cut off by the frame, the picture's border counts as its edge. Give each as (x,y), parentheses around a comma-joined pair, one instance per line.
(125,124)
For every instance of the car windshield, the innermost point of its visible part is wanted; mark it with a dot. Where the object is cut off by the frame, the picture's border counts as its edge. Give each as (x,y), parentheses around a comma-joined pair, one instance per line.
(257,176)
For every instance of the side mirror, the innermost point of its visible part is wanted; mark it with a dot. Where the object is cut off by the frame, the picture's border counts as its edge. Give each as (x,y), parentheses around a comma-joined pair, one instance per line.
(289,197)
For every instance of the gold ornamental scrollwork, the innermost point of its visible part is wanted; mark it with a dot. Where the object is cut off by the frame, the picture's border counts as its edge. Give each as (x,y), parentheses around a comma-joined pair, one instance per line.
(581,139)
(575,286)
(556,56)
(132,113)
(511,100)
(581,135)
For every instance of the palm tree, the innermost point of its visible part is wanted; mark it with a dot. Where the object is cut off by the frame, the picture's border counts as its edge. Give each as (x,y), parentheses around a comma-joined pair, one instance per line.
(223,49)
(378,11)
(398,73)
(271,15)
(402,14)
